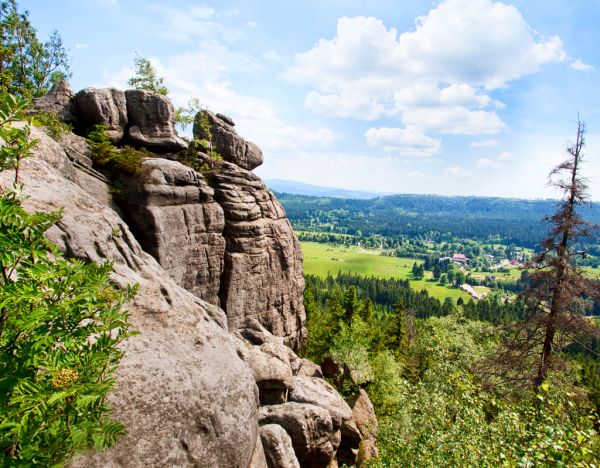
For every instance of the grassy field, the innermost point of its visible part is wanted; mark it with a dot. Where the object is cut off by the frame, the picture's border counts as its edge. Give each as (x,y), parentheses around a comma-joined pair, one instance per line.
(321,259)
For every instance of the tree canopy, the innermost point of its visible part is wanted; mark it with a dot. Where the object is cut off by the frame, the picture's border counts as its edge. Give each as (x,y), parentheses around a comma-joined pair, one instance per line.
(28,67)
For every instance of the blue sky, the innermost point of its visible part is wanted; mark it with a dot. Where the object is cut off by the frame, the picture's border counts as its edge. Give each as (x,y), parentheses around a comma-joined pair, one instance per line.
(455,97)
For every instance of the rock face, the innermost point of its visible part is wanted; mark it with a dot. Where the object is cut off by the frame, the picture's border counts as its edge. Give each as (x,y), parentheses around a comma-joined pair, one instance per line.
(263,274)
(309,428)
(182,392)
(59,101)
(176,219)
(200,386)
(218,130)
(152,121)
(103,107)
(363,414)
(278,447)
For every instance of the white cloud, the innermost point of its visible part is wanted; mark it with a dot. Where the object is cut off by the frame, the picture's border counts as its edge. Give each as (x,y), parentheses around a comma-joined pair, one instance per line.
(363,105)
(80,46)
(485,162)
(579,65)
(454,120)
(504,156)
(465,44)
(456,172)
(483,143)
(272,56)
(406,141)
(193,21)
(463,95)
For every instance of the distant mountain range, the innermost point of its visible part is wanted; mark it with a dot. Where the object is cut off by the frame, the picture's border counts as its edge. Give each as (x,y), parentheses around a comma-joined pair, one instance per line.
(300,188)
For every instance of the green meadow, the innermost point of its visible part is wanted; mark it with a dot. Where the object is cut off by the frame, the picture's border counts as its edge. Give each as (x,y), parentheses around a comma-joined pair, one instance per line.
(321,259)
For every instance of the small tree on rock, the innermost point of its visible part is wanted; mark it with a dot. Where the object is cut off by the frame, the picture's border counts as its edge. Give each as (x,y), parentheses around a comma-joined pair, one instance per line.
(145,77)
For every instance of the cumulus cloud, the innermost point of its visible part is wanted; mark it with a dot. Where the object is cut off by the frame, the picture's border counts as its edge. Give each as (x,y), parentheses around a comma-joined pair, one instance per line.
(579,65)
(406,141)
(467,45)
(454,120)
(504,156)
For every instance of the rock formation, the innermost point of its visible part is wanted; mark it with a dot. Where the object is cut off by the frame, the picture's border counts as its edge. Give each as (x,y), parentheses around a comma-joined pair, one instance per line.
(200,385)
(103,107)
(178,222)
(217,130)
(152,121)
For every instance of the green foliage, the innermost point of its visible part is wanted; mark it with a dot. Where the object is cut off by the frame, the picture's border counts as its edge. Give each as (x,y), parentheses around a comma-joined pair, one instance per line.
(60,326)
(184,116)
(15,137)
(447,419)
(418,372)
(55,127)
(201,155)
(145,77)
(111,159)
(28,67)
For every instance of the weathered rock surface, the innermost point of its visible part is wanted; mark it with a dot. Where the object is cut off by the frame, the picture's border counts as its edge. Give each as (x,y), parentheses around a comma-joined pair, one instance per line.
(175,218)
(104,106)
(77,149)
(263,274)
(363,414)
(310,429)
(318,392)
(273,376)
(309,369)
(59,101)
(182,392)
(226,141)
(152,121)
(278,447)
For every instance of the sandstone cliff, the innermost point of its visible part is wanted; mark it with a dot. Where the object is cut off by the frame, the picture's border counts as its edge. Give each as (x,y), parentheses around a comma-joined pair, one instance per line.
(212,379)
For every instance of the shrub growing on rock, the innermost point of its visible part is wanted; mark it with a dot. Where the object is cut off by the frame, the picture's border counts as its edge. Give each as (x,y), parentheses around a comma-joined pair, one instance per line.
(60,326)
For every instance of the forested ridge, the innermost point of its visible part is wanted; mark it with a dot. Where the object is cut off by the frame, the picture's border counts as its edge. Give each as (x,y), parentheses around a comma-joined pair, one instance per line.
(512,220)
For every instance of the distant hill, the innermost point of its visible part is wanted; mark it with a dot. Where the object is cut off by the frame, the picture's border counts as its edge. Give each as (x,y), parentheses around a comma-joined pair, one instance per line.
(514,220)
(300,188)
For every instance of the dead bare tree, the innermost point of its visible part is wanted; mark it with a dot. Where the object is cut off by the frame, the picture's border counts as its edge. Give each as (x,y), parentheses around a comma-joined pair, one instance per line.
(559,292)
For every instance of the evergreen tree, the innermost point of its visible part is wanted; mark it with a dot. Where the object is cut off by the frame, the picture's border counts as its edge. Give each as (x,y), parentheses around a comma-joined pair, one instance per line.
(560,292)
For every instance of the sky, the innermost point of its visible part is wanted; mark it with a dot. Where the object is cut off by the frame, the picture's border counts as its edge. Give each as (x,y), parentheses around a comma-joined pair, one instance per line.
(452,97)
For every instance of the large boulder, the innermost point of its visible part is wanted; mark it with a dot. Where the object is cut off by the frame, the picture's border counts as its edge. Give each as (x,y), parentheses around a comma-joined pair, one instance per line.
(182,392)
(218,130)
(272,375)
(104,106)
(171,209)
(318,392)
(263,274)
(310,429)
(59,101)
(152,121)
(278,447)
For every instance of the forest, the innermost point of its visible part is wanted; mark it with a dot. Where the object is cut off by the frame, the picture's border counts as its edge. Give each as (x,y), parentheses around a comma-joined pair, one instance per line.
(508,220)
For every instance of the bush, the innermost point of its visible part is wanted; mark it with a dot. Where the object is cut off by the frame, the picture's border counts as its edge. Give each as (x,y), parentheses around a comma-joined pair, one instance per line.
(112,159)
(55,127)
